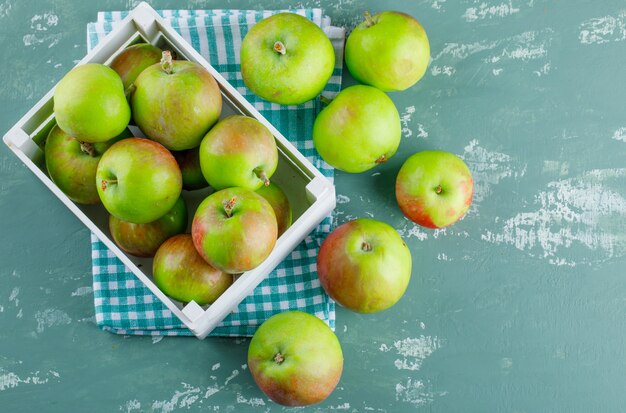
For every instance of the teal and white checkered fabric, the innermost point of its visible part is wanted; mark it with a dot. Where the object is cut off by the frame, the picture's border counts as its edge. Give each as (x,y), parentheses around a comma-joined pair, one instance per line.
(123,304)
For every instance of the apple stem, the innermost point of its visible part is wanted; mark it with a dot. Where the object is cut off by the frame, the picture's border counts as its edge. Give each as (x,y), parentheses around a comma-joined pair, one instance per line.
(260,173)
(229,206)
(438,189)
(382,159)
(279,358)
(280,47)
(366,246)
(325,100)
(105,183)
(88,149)
(166,62)
(369,21)
(129,91)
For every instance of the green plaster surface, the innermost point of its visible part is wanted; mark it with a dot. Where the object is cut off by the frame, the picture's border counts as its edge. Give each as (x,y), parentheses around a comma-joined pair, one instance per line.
(519,307)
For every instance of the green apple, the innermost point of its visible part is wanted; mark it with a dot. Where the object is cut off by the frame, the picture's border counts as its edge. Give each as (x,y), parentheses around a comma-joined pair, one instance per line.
(189,163)
(238,151)
(90,105)
(280,204)
(138,180)
(286,59)
(389,51)
(295,359)
(358,130)
(143,240)
(234,230)
(364,265)
(176,102)
(72,164)
(181,273)
(434,188)
(130,62)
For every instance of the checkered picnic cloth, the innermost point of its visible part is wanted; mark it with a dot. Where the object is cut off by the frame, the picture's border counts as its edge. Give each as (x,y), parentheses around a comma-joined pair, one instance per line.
(123,304)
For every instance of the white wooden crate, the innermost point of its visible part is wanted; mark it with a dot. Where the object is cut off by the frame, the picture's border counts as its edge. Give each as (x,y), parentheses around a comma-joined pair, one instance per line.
(311,194)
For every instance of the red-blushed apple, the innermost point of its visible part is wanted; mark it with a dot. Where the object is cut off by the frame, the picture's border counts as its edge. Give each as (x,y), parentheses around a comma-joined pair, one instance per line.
(234,230)
(143,240)
(286,59)
(280,203)
(90,104)
(364,265)
(181,273)
(238,151)
(72,164)
(358,130)
(138,180)
(189,163)
(389,50)
(130,62)
(434,188)
(295,359)
(176,102)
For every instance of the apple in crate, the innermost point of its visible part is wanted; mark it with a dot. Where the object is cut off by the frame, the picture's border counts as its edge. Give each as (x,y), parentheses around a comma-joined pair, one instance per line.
(358,130)
(133,60)
(364,265)
(138,180)
(143,240)
(280,204)
(238,151)
(181,273)
(286,59)
(295,359)
(234,230)
(434,188)
(90,105)
(72,164)
(176,102)
(389,50)
(189,163)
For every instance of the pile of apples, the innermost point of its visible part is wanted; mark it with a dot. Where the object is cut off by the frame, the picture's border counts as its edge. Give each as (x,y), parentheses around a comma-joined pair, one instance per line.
(92,158)
(364,264)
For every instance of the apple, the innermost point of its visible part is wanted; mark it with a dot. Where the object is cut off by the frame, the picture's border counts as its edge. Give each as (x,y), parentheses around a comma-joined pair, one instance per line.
(434,188)
(238,151)
(143,240)
(133,60)
(280,204)
(138,180)
(234,230)
(189,163)
(295,359)
(176,102)
(364,265)
(181,273)
(358,130)
(90,105)
(72,164)
(389,50)
(286,59)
